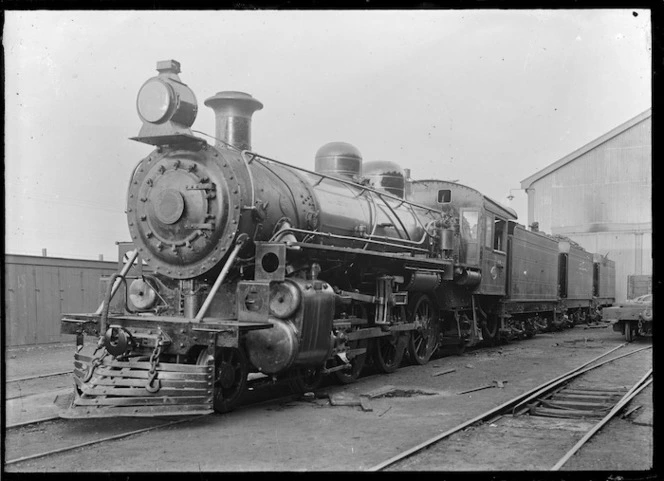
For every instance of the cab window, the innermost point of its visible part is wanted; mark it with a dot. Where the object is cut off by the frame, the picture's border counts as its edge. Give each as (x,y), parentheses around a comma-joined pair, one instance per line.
(469,250)
(488,239)
(469,225)
(499,234)
(444,196)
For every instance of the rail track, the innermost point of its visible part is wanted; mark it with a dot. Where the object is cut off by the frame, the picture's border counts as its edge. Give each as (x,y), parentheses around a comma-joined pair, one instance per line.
(131,432)
(552,399)
(23,388)
(38,376)
(36,420)
(519,406)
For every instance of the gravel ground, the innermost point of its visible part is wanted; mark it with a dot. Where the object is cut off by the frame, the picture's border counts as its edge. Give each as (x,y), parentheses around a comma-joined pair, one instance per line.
(313,435)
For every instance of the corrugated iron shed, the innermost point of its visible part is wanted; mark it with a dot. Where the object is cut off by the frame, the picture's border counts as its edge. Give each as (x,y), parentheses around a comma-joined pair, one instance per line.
(529,181)
(601,197)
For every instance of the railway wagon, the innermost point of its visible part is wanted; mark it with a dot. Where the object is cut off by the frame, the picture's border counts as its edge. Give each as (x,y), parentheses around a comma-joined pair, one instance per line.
(526,281)
(576,270)
(532,301)
(257,267)
(604,281)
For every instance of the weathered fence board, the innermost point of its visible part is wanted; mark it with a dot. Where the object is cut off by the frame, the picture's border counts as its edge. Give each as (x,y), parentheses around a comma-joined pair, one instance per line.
(39,289)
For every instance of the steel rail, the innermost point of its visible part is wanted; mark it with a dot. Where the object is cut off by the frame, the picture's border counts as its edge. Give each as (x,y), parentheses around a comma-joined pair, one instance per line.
(499,410)
(28,378)
(566,377)
(286,398)
(97,441)
(629,395)
(32,421)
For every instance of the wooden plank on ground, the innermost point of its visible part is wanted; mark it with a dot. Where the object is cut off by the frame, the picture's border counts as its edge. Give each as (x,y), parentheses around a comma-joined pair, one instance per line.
(343,399)
(440,373)
(381,391)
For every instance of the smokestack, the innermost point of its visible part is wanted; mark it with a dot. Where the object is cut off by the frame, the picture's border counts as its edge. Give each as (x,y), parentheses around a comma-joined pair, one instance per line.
(233,111)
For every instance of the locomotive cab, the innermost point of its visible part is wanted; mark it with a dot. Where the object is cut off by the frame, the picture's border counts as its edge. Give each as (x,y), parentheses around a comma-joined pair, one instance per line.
(481,231)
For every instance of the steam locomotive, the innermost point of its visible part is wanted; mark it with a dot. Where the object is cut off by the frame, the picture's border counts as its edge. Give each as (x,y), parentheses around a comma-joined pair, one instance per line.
(240,265)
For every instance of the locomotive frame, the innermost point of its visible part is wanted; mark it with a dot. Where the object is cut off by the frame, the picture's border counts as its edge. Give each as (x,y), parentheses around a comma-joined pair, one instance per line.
(241,264)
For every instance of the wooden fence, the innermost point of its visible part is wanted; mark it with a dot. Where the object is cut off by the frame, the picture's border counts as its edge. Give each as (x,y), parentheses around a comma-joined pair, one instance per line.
(39,289)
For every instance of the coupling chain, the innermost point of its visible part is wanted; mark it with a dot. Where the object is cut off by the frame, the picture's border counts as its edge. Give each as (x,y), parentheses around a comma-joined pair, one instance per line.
(152,373)
(93,365)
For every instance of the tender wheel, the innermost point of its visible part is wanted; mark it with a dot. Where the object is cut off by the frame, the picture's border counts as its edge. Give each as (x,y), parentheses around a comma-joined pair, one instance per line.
(629,332)
(230,376)
(423,341)
(305,379)
(348,376)
(388,352)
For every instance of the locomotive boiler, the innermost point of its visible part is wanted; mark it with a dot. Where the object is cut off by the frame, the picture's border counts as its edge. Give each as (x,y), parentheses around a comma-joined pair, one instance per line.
(244,267)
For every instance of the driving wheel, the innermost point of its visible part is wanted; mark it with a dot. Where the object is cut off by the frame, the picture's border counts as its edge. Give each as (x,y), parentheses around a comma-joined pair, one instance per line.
(423,341)
(230,376)
(351,374)
(388,352)
(305,379)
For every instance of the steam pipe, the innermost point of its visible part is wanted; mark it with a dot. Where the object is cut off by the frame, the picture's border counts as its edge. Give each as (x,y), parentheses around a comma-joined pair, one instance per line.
(117,281)
(222,275)
(346,182)
(359,239)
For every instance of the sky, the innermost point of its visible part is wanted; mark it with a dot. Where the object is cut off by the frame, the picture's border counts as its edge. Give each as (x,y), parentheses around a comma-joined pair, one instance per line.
(485,97)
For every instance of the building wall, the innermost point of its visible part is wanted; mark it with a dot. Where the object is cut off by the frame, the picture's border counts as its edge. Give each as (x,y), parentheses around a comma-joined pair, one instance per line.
(39,289)
(602,200)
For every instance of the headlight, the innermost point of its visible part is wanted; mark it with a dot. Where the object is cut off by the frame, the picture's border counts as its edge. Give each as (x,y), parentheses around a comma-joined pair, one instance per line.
(141,294)
(165,98)
(284,299)
(647,314)
(155,101)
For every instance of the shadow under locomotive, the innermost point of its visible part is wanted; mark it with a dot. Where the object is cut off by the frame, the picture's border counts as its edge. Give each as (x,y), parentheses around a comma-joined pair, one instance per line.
(242,264)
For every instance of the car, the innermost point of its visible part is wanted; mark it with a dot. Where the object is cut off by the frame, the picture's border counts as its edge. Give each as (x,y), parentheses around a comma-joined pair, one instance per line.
(632,317)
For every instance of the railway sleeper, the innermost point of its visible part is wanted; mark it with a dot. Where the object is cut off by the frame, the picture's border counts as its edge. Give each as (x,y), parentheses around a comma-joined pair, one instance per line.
(589,406)
(584,397)
(564,413)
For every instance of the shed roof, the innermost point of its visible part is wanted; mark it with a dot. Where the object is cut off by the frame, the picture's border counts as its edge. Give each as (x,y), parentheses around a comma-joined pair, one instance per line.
(526,183)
